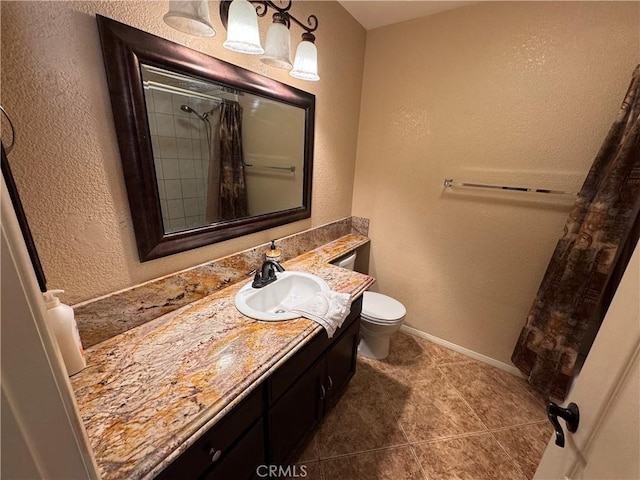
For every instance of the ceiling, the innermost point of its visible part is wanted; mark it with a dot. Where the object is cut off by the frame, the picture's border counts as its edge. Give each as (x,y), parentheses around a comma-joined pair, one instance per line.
(378,13)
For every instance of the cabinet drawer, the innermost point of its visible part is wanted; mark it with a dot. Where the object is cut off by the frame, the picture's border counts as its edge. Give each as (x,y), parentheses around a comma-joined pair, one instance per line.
(287,374)
(222,436)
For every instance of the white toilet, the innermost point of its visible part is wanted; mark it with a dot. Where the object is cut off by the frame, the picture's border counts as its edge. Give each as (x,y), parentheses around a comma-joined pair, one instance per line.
(381,317)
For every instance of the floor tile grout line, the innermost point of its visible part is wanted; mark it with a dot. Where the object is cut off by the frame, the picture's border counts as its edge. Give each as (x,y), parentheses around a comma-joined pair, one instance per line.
(458,392)
(382,449)
(477,415)
(398,419)
(454,362)
(396,416)
(463,398)
(415,457)
(517,425)
(536,397)
(487,429)
(529,391)
(314,439)
(321,468)
(359,452)
(450,437)
(317,449)
(516,464)
(466,435)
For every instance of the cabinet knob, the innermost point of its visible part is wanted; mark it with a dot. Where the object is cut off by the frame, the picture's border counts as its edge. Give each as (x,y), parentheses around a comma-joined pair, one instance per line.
(215,454)
(323,392)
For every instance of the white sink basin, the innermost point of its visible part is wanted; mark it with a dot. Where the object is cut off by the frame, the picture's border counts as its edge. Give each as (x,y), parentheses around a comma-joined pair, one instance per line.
(273,302)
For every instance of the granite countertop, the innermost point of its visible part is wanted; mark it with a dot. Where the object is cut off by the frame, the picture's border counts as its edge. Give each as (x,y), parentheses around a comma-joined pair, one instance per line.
(151,392)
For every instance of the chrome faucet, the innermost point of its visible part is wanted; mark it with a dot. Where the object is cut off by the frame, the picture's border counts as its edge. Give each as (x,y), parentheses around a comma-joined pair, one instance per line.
(266,274)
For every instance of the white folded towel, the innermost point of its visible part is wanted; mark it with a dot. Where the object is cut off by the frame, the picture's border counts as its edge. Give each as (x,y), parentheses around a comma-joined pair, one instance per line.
(328,308)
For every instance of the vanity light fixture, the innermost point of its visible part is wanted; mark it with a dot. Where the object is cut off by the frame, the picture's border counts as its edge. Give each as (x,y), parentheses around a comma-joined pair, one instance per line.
(277,52)
(240,18)
(306,63)
(242,28)
(190,16)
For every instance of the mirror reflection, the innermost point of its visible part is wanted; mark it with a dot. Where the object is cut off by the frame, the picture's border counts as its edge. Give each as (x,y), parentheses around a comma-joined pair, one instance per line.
(221,154)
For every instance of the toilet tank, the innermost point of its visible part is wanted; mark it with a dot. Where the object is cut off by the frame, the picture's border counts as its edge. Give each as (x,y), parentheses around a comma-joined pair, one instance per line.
(348,262)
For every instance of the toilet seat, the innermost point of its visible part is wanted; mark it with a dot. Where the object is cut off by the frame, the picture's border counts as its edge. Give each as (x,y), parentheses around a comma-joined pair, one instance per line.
(382,310)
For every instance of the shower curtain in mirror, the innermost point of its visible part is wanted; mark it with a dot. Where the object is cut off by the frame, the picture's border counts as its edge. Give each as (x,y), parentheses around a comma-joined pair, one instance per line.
(577,286)
(226,187)
(233,190)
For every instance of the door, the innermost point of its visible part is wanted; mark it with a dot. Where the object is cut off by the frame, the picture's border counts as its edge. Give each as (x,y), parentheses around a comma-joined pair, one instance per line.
(607,392)
(42,434)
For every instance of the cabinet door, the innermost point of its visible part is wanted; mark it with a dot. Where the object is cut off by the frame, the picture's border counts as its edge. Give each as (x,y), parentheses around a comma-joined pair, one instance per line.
(341,360)
(296,413)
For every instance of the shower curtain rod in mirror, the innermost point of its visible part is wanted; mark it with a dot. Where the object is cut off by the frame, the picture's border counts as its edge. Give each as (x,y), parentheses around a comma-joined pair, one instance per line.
(150,84)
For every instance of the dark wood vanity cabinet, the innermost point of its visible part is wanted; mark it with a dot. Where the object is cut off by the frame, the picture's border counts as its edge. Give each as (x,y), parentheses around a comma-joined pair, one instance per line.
(268,427)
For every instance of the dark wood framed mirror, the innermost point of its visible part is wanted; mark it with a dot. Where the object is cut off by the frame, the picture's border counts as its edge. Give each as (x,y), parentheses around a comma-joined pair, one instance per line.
(210,151)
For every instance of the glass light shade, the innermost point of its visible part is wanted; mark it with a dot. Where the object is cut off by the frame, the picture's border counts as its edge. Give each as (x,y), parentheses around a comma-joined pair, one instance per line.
(190,17)
(242,30)
(277,51)
(305,66)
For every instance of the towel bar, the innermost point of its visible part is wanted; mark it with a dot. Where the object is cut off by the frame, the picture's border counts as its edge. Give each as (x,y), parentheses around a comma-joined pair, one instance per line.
(272,167)
(449,182)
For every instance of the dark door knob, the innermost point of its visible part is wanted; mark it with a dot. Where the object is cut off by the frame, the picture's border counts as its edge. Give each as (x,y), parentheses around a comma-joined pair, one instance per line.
(571,416)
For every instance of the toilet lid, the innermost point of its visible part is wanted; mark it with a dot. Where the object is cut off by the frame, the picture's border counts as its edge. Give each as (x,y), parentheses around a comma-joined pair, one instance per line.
(380,307)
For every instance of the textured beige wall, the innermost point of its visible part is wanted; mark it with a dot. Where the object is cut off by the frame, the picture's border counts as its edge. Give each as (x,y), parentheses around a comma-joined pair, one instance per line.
(512,93)
(67,163)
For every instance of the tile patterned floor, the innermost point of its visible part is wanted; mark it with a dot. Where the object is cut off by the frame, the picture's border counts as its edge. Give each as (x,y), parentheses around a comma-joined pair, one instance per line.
(428,413)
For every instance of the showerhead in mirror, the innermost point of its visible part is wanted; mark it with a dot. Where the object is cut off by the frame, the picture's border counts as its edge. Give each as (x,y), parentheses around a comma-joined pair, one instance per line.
(188,109)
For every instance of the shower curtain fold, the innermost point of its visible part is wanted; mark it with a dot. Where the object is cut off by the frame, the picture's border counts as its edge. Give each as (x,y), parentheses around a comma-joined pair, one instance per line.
(212,210)
(577,285)
(233,189)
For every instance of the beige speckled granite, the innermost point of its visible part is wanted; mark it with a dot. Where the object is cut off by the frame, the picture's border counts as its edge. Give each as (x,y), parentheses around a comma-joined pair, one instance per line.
(102,318)
(152,391)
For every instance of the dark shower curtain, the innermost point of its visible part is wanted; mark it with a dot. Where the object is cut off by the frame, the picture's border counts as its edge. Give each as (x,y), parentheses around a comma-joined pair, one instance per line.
(213,176)
(578,284)
(233,190)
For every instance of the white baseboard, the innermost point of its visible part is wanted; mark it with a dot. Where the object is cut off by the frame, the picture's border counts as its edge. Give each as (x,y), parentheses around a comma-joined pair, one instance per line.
(463,351)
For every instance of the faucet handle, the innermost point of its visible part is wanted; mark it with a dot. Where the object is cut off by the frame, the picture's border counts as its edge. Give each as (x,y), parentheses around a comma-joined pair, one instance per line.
(257,279)
(277,265)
